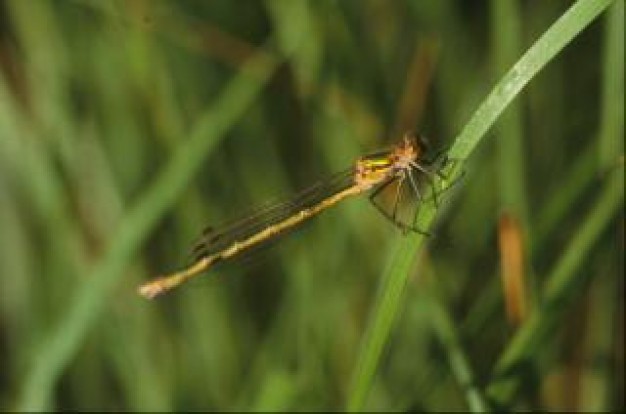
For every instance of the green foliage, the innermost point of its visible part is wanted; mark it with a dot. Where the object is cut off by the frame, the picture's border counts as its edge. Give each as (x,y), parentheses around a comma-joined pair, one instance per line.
(127,127)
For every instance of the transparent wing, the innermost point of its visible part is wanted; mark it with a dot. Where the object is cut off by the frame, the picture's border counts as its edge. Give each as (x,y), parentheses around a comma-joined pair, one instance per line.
(214,240)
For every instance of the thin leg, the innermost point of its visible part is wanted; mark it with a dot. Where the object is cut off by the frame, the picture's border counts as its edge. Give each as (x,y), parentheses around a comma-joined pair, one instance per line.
(435,157)
(443,155)
(414,186)
(444,162)
(417,230)
(378,207)
(420,167)
(390,217)
(446,177)
(398,196)
(429,175)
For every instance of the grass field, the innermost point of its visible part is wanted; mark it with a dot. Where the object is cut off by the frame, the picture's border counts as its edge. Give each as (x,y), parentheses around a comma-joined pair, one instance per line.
(126,127)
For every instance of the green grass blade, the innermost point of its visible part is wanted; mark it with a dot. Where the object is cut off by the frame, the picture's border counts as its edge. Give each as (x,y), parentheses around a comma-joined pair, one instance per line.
(612,132)
(572,22)
(380,326)
(446,329)
(63,343)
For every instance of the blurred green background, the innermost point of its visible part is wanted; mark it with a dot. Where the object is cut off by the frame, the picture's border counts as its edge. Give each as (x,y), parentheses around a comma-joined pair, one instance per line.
(126,127)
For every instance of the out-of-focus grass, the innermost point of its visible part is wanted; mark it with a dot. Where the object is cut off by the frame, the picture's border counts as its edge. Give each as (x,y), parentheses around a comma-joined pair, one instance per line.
(126,127)
(135,226)
(559,289)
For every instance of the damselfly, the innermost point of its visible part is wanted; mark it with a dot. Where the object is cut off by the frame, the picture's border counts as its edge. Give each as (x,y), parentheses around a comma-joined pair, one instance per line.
(402,167)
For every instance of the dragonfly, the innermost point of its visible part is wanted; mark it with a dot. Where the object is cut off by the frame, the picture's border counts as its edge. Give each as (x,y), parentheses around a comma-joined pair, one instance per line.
(404,166)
